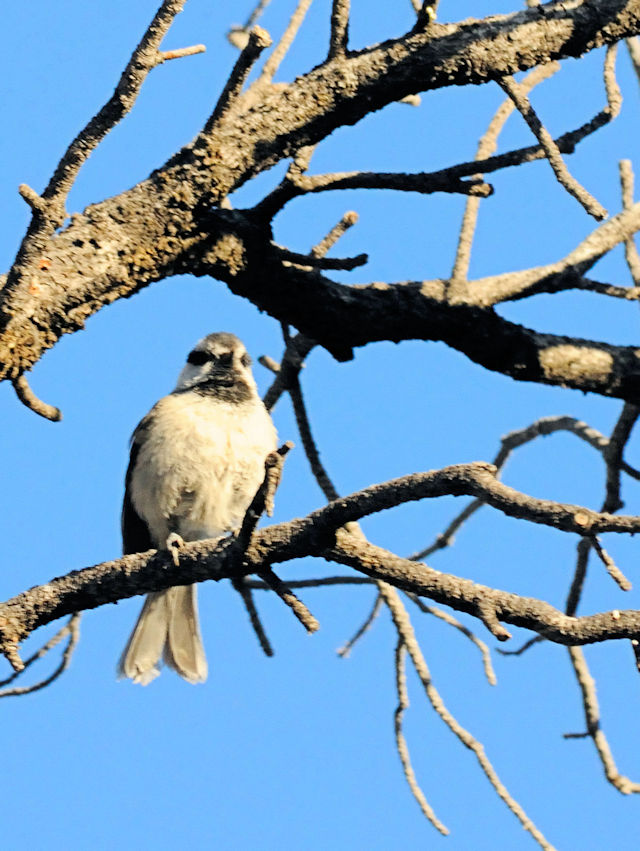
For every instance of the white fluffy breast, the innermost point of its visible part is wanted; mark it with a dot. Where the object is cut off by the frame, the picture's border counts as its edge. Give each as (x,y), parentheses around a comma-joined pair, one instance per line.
(200,464)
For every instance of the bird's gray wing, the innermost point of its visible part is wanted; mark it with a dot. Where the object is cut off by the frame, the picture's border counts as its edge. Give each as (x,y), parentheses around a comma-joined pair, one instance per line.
(136,537)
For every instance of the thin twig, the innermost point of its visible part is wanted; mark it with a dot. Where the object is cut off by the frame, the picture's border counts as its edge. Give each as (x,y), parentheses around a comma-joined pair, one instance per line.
(35,201)
(486,147)
(401,743)
(263,500)
(337,231)
(448,179)
(514,439)
(319,582)
(612,451)
(258,40)
(40,653)
(487,613)
(630,249)
(633,46)
(364,627)
(573,187)
(612,454)
(29,398)
(523,649)
(287,596)
(448,618)
(180,53)
(592,712)
(564,274)
(72,628)
(292,361)
(339,28)
(406,633)
(296,184)
(241,586)
(612,568)
(143,60)
(313,261)
(295,22)
(300,346)
(309,444)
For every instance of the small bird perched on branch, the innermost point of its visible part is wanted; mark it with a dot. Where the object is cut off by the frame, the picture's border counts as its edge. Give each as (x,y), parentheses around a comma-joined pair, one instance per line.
(196,462)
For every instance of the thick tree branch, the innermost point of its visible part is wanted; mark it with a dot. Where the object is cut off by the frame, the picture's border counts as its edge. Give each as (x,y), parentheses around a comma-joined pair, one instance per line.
(319,534)
(152,230)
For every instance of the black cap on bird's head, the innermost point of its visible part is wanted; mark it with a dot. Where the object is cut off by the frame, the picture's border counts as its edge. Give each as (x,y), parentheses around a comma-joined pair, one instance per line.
(219,366)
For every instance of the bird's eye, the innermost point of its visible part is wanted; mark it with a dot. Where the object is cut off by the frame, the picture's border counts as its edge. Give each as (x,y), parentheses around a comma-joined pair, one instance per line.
(197,357)
(245,360)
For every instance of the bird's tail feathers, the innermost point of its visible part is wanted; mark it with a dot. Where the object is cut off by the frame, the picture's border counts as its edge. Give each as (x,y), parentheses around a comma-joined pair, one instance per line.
(167,627)
(183,650)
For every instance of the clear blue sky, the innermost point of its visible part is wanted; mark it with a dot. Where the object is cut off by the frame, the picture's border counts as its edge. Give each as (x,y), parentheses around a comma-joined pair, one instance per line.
(298,751)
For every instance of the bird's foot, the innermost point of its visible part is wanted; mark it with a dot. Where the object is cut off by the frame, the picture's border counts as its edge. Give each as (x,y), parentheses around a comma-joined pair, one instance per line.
(174,545)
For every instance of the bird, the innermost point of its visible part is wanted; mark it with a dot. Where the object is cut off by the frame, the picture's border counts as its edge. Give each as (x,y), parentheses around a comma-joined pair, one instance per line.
(196,461)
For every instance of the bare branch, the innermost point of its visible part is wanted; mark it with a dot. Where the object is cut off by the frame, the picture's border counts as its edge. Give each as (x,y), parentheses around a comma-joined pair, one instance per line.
(564,274)
(633,46)
(280,51)
(612,502)
(592,711)
(339,28)
(312,261)
(29,398)
(258,40)
(462,595)
(143,60)
(522,103)
(263,500)
(292,362)
(612,452)
(542,427)
(296,184)
(577,583)
(630,250)
(612,568)
(72,629)
(41,652)
(401,743)
(423,182)
(523,649)
(287,596)
(241,586)
(488,614)
(319,534)
(489,672)
(405,631)
(300,346)
(318,582)
(486,147)
(135,229)
(180,53)
(337,232)
(310,448)
(364,627)
(36,202)
(613,455)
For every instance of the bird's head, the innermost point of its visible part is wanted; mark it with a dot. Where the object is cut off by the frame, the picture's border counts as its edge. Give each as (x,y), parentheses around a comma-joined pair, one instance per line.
(218,366)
